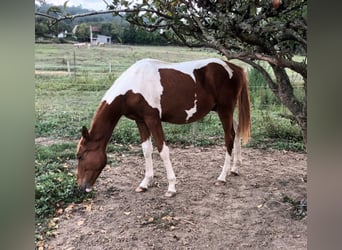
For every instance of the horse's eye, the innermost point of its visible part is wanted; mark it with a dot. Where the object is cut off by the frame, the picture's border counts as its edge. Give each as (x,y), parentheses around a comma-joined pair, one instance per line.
(79,157)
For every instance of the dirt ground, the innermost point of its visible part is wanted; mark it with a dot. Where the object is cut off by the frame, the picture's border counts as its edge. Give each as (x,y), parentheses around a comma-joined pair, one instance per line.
(248,212)
(45,72)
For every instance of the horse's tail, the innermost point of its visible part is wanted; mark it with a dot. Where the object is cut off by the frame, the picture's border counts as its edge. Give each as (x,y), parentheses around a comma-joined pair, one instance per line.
(244,127)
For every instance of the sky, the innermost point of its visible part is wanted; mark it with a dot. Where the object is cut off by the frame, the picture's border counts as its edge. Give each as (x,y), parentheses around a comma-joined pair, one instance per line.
(86,4)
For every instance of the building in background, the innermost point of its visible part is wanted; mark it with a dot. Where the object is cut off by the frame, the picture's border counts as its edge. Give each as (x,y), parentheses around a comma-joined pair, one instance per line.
(96,38)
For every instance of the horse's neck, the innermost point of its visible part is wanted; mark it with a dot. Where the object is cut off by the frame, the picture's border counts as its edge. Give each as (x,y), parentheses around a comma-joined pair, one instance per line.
(104,122)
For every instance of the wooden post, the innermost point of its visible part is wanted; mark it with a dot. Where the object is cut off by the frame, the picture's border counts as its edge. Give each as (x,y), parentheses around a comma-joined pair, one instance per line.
(68,65)
(110,67)
(91,34)
(75,65)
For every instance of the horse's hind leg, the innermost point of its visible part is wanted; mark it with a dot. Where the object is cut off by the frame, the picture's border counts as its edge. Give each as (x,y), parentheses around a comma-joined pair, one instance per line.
(147,149)
(226,118)
(236,151)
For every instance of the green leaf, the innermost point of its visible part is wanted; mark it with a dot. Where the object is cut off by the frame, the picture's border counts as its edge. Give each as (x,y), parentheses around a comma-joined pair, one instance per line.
(54,9)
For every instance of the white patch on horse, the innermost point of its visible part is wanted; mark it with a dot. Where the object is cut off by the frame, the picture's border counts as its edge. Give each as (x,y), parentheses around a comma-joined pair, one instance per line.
(171,177)
(225,168)
(192,111)
(147,148)
(143,78)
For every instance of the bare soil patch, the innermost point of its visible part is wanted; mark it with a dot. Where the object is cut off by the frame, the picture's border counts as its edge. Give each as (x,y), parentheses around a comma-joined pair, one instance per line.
(50,72)
(46,141)
(248,212)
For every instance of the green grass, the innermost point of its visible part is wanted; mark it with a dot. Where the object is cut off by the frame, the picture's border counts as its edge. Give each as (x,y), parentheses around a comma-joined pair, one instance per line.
(271,130)
(64,103)
(55,182)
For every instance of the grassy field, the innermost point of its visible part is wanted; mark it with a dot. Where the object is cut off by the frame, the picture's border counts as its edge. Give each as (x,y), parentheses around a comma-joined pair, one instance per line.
(67,101)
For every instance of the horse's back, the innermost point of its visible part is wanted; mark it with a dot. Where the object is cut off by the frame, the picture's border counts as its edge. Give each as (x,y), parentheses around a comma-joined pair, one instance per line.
(186,88)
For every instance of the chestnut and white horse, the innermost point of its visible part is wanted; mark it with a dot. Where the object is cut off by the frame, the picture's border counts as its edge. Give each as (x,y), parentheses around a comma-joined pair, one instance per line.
(152,91)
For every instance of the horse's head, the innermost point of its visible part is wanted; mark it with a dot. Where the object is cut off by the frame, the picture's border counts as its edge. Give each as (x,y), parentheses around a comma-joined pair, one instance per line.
(91,160)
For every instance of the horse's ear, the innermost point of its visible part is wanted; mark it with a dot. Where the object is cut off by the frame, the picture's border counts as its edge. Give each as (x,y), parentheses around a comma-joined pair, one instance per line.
(85,133)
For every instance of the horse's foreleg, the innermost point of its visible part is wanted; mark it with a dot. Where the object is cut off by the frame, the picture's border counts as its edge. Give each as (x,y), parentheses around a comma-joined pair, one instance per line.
(154,125)
(171,177)
(147,151)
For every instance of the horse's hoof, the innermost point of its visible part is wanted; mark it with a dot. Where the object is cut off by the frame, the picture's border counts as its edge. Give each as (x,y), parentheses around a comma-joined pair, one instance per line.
(140,189)
(220,183)
(233,173)
(170,194)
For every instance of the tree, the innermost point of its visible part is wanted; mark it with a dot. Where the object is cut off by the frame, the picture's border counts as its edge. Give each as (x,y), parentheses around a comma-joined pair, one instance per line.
(41,29)
(254,31)
(83,32)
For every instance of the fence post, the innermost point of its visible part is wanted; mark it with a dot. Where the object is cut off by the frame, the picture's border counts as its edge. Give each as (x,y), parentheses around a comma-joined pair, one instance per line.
(75,65)
(68,65)
(110,67)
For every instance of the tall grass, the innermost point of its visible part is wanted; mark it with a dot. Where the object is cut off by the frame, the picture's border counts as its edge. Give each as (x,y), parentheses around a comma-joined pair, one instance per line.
(261,95)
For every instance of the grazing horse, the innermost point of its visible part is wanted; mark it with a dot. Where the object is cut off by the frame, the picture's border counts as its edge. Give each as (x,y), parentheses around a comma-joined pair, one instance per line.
(152,91)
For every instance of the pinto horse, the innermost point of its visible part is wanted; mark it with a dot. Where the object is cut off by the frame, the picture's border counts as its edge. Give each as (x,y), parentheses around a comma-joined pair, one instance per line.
(152,91)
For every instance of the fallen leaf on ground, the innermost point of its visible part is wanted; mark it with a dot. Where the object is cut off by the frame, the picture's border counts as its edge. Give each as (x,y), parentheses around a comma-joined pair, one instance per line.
(168,218)
(80,222)
(69,208)
(88,207)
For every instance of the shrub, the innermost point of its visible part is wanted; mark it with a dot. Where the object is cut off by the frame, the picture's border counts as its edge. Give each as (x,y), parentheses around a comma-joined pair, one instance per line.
(280,128)
(272,130)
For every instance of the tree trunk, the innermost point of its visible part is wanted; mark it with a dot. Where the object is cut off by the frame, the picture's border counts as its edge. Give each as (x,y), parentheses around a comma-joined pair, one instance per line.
(286,95)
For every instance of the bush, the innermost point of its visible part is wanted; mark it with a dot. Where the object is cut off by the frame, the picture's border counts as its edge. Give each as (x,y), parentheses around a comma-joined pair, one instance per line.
(280,128)
(272,130)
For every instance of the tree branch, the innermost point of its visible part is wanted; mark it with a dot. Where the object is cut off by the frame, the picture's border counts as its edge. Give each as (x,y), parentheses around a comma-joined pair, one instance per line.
(59,18)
